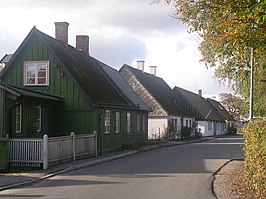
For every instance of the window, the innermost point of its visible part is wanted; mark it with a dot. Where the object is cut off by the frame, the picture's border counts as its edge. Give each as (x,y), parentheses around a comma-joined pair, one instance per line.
(39,119)
(107,121)
(190,123)
(18,118)
(209,125)
(117,122)
(36,73)
(138,122)
(186,123)
(175,124)
(128,122)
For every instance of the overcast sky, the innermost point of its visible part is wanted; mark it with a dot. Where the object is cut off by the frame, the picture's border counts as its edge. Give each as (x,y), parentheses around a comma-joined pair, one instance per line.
(120,31)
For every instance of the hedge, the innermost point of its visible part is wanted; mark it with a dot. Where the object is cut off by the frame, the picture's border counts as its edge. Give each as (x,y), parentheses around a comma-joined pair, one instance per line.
(255,156)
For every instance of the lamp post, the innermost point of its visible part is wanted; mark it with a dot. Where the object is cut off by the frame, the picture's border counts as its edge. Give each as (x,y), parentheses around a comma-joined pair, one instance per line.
(251,84)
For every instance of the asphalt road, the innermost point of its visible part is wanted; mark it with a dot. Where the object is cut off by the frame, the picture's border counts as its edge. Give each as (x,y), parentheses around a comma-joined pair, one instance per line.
(177,172)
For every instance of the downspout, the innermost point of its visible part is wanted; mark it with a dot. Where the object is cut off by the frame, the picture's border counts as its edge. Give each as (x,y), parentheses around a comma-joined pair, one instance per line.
(10,116)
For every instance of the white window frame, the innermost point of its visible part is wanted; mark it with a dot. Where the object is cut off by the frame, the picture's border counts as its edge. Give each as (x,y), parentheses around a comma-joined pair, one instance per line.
(107,119)
(128,122)
(117,122)
(18,118)
(187,123)
(34,68)
(39,118)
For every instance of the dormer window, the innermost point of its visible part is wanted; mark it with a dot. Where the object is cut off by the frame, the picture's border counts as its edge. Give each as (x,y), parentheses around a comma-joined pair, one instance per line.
(36,73)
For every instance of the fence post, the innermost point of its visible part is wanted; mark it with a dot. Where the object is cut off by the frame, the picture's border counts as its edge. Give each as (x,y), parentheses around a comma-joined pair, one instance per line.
(95,140)
(73,145)
(45,151)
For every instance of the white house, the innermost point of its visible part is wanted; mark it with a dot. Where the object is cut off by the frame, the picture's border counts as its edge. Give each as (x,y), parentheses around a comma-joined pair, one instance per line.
(210,120)
(168,111)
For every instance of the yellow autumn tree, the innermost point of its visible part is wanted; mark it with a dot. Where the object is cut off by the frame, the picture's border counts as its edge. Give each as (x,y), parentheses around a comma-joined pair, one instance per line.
(229,30)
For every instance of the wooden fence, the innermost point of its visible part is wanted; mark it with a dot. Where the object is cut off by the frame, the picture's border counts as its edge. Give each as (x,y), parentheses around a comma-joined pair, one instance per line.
(47,151)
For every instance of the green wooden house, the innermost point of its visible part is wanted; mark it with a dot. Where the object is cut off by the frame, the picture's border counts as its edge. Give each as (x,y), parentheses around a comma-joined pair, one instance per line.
(49,87)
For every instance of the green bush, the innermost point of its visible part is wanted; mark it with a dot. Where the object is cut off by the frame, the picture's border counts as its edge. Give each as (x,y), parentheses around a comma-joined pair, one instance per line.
(186,132)
(232,130)
(255,156)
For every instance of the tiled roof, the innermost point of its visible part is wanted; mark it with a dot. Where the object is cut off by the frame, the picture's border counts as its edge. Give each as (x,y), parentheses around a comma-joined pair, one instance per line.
(87,72)
(124,87)
(200,104)
(221,110)
(161,91)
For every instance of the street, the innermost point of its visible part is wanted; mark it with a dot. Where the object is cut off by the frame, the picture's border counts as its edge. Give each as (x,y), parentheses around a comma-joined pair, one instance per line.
(176,172)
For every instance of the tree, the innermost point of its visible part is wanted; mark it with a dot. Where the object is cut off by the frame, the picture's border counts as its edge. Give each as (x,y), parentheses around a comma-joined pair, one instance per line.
(234,105)
(1,68)
(230,29)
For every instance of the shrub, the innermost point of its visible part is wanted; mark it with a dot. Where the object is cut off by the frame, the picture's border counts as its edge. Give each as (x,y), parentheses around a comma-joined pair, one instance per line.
(255,156)
(232,130)
(186,132)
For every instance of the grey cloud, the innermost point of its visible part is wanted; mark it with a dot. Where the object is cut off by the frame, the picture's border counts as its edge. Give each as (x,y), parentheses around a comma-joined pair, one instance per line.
(116,52)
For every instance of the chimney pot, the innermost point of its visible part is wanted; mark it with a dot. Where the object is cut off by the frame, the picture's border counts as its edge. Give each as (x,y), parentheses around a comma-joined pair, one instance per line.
(140,65)
(82,43)
(153,70)
(61,32)
(200,92)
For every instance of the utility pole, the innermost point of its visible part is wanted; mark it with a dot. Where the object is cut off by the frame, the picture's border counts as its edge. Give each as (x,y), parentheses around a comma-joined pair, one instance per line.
(251,84)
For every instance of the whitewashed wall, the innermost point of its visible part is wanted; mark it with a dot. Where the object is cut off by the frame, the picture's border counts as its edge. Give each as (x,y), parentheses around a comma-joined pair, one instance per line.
(203,125)
(218,128)
(156,127)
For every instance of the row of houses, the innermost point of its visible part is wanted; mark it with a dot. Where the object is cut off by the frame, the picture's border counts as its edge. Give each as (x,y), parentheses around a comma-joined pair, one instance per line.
(50,87)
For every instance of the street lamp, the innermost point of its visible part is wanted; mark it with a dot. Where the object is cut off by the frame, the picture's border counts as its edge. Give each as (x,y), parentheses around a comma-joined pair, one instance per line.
(251,84)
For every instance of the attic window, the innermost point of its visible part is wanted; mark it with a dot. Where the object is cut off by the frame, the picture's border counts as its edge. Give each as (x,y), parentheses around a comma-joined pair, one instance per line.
(36,73)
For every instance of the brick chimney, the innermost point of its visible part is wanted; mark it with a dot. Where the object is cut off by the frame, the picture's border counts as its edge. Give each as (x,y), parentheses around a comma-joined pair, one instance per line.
(200,92)
(61,32)
(153,70)
(140,65)
(82,43)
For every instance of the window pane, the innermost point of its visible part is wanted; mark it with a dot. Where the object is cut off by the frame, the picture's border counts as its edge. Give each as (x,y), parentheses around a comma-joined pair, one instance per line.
(128,123)
(36,73)
(18,119)
(107,121)
(41,80)
(117,122)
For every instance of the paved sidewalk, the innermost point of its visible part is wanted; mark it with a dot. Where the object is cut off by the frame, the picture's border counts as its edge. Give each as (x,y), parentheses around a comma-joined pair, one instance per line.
(22,178)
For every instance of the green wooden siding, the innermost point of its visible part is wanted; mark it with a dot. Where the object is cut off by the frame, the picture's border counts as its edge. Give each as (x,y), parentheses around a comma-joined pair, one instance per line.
(73,114)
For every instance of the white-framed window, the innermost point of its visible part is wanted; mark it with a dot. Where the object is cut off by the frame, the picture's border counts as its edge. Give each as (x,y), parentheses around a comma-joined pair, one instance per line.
(186,123)
(18,118)
(128,122)
(138,122)
(107,121)
(209,125)
(36,73)
(117,122)
(190,123)
(39,118)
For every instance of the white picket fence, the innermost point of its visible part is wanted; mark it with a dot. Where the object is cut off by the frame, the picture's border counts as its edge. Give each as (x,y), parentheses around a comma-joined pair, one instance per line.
(36,152)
